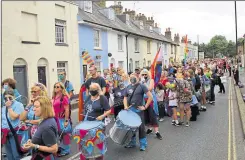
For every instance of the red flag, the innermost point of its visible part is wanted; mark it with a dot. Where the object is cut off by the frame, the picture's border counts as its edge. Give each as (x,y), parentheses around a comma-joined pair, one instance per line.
(153,66)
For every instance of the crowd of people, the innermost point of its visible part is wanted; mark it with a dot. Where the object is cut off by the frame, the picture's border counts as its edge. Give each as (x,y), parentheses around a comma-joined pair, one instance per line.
(43,128)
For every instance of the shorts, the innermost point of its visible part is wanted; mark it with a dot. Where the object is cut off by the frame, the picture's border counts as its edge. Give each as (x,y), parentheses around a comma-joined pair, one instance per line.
(173,107)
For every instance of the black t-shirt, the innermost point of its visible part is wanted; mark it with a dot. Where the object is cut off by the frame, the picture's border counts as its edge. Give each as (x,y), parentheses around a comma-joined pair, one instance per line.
(138,97)
(99,80)
(46,134)
(95,108)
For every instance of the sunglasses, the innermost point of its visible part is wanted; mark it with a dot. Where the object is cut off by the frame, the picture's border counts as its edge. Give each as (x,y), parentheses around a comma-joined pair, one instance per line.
(34,91)
(8,98)
(144,75)
(57,87)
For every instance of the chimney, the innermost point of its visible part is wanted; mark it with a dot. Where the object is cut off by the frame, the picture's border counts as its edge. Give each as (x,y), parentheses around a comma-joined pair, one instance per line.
(176,38)
(125,9)
(130,13)
(118,8)
(155,25)
(101,3)
(168,33)
(150,21)
(189,41)
(183,39)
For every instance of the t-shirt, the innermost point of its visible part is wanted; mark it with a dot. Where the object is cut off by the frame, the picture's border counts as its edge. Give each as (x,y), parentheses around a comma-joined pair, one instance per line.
(99,80)
(18,108)
(95,109)
(69,86)
(46,134)
(138,97)
(118,96)
(174,101)
(31,115)
(58,107)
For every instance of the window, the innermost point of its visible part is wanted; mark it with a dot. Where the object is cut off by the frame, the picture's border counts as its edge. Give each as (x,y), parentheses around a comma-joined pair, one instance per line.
(148,47)
(29,27)
(137,64)
(120,42)
(62,66)
(136,44)
(97,39)
(120,64)
(149,63)
(144,63)
(98,65)
(60,31)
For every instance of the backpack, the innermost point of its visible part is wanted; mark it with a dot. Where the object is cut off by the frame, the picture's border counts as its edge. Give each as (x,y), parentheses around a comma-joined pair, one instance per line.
(198,82)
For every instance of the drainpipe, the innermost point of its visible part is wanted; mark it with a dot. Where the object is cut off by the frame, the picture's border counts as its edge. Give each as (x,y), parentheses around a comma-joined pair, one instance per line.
(127,49)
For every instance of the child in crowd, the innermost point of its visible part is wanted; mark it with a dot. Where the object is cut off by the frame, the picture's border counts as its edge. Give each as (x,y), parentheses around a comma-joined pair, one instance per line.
(173,104)
(160,96)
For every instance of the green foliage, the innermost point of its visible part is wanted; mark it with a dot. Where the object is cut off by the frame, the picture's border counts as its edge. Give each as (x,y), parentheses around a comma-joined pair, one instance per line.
(219,45)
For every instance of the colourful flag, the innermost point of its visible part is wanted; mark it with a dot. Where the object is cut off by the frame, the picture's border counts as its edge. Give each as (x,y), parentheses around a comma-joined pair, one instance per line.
(156,67)
(186,49)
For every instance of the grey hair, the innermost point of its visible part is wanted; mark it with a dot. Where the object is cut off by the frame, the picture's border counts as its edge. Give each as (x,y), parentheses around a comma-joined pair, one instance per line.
(98,87)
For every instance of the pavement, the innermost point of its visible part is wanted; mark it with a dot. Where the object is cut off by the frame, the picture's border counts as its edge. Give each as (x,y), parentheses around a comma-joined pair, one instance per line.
(216,135)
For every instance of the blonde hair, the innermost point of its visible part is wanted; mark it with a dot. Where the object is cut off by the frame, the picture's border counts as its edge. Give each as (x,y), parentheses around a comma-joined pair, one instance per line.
(63,90)
(41,88)
(47,110)
(145,71)
(98,88)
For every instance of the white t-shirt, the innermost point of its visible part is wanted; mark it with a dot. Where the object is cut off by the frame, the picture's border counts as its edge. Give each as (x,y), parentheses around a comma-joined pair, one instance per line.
(172,102)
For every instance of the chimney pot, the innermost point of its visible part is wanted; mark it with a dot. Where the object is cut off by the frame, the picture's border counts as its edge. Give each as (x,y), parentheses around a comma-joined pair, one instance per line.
(129,10)
(151,18)
(119,3)
(139,14)
(125,9)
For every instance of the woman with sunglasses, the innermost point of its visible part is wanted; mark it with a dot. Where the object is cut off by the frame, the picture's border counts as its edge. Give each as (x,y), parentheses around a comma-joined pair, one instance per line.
(60,101)
(28,115)
(44,142)
(150,113)
(10,83)
(10,117)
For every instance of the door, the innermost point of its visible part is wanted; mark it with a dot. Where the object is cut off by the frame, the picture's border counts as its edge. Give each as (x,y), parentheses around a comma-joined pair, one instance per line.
(21,85)
(85,71)
(42,75)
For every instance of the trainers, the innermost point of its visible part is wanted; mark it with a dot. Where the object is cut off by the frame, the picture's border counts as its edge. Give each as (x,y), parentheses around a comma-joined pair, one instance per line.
(161,119)
(142,148)
(173,122)
(187,124)
(159,135)
(181,123)
(130,146)
(149,131)
(176,123)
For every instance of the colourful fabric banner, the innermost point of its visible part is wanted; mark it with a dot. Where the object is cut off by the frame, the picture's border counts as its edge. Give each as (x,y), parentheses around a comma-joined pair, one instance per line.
(156,67)
(186,49)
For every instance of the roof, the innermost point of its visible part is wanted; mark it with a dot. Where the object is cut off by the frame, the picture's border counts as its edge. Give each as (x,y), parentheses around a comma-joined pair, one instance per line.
(97,17)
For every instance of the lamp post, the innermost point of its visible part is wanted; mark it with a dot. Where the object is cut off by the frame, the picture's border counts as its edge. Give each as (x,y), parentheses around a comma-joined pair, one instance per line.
(236,26)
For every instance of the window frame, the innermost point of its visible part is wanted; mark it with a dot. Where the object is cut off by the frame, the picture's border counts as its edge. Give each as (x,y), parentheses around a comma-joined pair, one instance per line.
(99,39)
(119,44)
(136,45)
(64,68)
(60,36)
(148,47)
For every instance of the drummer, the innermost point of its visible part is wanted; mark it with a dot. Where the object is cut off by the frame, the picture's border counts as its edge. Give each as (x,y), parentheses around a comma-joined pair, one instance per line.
(96,106)
(133,100)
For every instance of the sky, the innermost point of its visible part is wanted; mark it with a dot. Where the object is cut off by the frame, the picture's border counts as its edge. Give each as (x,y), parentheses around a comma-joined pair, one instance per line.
(203,19)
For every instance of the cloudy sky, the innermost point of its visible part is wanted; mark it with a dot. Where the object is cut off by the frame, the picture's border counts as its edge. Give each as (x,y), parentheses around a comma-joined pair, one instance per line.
(203,18)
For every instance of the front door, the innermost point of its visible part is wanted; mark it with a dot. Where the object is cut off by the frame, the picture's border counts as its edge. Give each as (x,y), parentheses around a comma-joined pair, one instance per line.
(21,85)
(42,75)
(85,71)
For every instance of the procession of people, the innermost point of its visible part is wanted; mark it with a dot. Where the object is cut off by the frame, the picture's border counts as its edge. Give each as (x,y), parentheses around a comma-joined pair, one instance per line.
(135,102)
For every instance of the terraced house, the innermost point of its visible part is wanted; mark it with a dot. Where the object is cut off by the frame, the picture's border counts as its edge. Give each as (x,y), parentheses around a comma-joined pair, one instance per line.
(39,38)
(127,40)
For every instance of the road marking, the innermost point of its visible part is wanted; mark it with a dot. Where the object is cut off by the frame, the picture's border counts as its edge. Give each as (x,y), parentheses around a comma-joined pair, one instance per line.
(233,131)
(74,156)
(229,123)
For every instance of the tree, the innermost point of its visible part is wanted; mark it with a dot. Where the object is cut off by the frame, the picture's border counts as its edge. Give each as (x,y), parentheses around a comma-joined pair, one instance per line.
(231,49)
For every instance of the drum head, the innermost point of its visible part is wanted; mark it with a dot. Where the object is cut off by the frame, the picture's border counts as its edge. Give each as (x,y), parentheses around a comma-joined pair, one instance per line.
(87,125)
(129,118)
